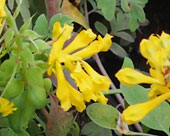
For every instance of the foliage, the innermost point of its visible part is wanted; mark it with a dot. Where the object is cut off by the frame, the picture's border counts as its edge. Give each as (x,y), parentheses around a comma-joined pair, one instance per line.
(29,52)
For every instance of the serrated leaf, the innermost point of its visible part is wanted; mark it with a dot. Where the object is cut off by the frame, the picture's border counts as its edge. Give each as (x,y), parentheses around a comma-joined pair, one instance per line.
(103,115)
(101,28)
(158,118)
(118,50)
(41,26)
(91,129)
(72,11)
(107,7)
(15,88)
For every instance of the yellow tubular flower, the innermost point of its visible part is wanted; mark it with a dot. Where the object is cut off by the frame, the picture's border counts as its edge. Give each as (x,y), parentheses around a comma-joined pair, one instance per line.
(129,76)
(156,50)
(89,82)
(6,108)
(66,93)
(2,10)
(137,112)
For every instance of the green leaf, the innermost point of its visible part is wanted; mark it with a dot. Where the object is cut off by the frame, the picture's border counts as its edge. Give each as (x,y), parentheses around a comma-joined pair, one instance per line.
(41,26)
(103,115)
(9,34)
(15,88)
(42,45)
(107,7)
(34,76)
(125,5)
(61,18)
(133,23)
(25,110)
(47,84)
(6,70)
(36,96)
(127,63)
(118,50)
(75,130)
(125,36)
(32,34)
(24,10)
(27,56)
(100,28)
(33,129)
(7,132)
(26,25)
(159,118)
(11,4)
(91,129)
(42,65)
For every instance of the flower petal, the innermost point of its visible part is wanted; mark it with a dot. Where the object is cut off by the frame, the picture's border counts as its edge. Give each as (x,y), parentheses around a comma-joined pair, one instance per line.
(136,113)
(66,93)
(62,34)
(157,90)
(153,53)
(102,83)
(129,76)
(84,82)
(2,10)
(80,41)
(6,108)
(102,44)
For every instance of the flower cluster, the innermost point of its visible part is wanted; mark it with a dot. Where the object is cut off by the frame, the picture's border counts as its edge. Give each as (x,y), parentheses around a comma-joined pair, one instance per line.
(2,11)
(156,50)
(88,81)
(6,108)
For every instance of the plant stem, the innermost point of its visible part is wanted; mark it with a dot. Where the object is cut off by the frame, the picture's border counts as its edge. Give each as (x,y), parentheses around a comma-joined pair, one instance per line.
(102,69)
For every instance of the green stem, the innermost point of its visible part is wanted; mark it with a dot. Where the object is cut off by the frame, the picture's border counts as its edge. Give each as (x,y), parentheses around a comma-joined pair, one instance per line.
(10,80)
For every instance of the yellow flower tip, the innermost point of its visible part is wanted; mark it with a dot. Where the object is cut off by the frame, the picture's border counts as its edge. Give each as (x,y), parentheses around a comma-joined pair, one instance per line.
(6,108)
(130,76)
(64,31)
(2,10)
(136,113)
(107,42)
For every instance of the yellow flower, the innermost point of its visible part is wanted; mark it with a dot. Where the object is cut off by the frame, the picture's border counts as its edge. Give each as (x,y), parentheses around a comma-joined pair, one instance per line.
(157,51)
(2,11)
(137,112)
(6,108)
(89,83)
